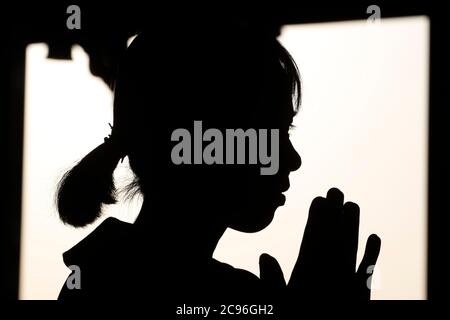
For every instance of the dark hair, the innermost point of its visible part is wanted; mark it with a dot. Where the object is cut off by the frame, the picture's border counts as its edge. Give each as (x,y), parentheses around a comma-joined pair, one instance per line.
(84,189)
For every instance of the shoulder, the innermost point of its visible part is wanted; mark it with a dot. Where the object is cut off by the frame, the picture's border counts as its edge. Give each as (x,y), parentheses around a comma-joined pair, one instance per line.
(110,234)
(233,280)
(240,274)
(98,256)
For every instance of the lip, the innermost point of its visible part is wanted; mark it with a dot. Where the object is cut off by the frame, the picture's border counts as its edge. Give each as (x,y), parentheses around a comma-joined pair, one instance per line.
(285,187)
(282,199)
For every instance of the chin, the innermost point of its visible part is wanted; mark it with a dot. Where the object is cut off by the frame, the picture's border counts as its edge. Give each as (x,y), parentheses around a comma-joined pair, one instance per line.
(255,219)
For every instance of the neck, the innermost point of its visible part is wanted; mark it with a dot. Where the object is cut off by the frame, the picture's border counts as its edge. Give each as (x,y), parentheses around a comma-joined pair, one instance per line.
(182,230)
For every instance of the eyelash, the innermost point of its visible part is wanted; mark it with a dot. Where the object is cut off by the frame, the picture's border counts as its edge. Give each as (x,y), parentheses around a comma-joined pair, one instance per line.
(291,128)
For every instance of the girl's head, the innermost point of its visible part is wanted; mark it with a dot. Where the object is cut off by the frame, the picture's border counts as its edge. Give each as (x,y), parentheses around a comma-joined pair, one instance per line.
(227,77)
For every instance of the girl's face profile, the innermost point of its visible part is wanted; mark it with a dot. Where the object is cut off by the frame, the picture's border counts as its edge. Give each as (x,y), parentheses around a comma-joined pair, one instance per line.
(260,195)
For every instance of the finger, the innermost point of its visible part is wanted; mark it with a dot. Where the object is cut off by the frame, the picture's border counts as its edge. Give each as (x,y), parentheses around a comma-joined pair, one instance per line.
(316,250)
(321,214)
(317,226)
(350,232)
(335,197)
(367,265)
(318,206)
(270,272)
(371,253)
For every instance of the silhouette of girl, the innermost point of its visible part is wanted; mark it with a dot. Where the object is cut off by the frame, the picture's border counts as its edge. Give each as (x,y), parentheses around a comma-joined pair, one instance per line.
(229,76)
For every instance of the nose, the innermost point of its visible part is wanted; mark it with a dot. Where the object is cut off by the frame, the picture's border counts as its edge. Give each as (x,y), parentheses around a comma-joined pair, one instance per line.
(294,159)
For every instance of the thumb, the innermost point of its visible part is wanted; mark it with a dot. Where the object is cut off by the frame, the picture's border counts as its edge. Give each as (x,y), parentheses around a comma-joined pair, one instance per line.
(371,254)
(270,272)
(365,270)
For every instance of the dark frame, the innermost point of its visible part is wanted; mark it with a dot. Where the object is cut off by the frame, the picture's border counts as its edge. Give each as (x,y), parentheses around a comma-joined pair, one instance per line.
(45,22)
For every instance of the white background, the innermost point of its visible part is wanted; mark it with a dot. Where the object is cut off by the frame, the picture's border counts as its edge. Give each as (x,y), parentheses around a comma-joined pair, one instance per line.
(362,128)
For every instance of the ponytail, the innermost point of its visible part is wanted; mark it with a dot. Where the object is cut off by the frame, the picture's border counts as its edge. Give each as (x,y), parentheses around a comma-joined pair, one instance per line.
(85,188)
